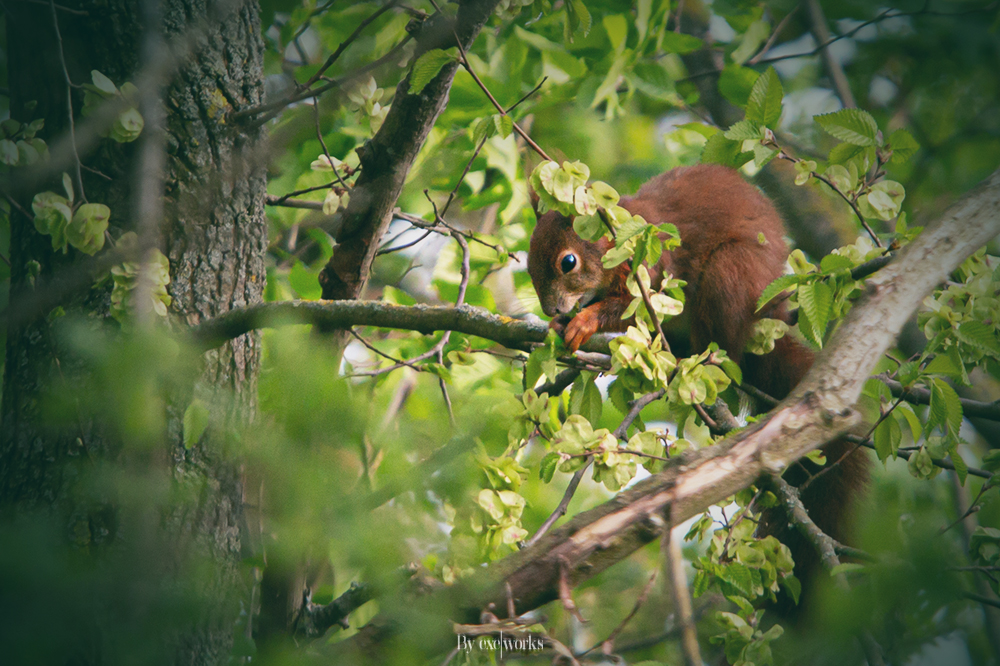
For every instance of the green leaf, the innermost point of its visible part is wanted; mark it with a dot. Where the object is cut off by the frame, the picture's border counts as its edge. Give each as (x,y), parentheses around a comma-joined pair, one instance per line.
(762,155)
(743,130)
(754,36)
(578,19)
(903,146)
(736,82)
(504,124)
(775,288)
(944,399)
(793,586)
(887,437)
(832,263)
(720,150)
(547,467)
(483,128)
(427,67)
(680,43)
(764,104)
(851,125)
(738,576)
(585,398)
(103,83)
(843,152)
(86,230)
(67,183)
(961,468)
(617,28)
(730,367)
(980,336)
(815,300)
(8,152)
(195,422)
(916,429)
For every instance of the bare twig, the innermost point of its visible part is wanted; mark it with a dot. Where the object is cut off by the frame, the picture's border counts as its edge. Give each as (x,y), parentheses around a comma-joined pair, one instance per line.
(850,202)
(774,35)
(607,645)
(922,396)
(817,21)
(69,104)
(987,601)
(648,303)
(286,202)
(496,104)
(673,562)
(566,592)
(270,110)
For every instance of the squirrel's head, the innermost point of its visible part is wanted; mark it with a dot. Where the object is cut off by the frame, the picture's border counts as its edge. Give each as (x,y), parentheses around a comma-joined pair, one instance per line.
(564,269)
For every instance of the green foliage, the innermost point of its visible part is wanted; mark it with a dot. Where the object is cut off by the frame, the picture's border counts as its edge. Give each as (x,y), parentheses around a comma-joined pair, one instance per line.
(129,123)
(135,279)
(614,83)
(427,67)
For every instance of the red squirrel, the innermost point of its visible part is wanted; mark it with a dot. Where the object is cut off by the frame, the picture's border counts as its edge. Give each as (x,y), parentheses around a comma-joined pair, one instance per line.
(732,247)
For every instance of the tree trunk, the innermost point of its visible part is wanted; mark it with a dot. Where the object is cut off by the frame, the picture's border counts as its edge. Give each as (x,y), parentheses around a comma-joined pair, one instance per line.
(139,541)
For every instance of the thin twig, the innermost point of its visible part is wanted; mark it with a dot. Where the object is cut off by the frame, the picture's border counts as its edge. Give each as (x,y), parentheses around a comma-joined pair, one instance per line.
(817,20)
(673,562)
(995,603)
(526,95)
(496,104)
(322,143)
(69,102)
(850,202)
(774,35)
(272,109)
(62,8)
(284,202)
(397,248)
(973,507)
(275,200)
(608,643)
(648,302)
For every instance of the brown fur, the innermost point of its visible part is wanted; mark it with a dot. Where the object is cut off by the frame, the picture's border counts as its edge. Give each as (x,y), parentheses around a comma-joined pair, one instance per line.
(726,265)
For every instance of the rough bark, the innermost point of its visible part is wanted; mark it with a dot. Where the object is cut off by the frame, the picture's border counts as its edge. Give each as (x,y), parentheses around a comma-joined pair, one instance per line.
(213,233)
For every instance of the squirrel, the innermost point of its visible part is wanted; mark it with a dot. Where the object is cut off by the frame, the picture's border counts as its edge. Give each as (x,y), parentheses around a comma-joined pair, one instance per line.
(732,247)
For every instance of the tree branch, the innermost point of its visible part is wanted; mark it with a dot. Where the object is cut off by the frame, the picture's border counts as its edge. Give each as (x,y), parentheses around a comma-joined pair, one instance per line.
(512,333)
(921,396)
(387,158)
(818,410)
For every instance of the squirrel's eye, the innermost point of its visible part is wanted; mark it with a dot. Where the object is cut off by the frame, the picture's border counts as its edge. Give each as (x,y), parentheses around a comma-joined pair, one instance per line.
(568,263)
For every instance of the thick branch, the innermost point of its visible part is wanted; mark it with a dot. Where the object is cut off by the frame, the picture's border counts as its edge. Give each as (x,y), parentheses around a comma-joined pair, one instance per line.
(512,333)
(386,159)
(314,619)
(819,409)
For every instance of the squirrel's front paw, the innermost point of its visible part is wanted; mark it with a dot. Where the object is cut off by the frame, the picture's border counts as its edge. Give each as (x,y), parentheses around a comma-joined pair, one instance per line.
(580,329)
(559,324)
